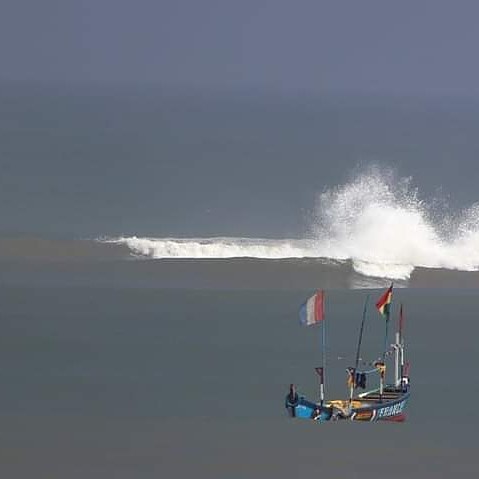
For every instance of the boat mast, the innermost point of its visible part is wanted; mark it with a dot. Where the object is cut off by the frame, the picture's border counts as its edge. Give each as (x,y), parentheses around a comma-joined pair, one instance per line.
(312,312)
(401,343)
(323,361)
(399,352)
(351,371)
(361,332)
(323,352)
(320,370)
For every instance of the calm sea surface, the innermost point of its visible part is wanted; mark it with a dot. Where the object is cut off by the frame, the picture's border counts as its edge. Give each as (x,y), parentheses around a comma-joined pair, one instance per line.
(130,380)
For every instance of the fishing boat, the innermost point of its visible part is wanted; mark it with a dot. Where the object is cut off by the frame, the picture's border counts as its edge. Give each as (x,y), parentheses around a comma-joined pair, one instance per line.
(387,402)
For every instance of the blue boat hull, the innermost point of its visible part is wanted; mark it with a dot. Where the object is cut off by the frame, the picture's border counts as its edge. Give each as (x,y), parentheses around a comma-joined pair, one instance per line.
(368,407)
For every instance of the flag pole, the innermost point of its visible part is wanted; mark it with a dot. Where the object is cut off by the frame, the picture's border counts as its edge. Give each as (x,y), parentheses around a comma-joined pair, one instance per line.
(388,314)
(386,337)
(384,307)
(323,352)
(312,312)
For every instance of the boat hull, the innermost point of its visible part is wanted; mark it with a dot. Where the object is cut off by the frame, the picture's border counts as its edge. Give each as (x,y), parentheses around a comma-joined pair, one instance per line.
(368,407)
(389,410)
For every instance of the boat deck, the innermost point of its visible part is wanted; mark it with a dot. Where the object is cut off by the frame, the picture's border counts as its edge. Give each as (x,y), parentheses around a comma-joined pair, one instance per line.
(372,398)
(369,399)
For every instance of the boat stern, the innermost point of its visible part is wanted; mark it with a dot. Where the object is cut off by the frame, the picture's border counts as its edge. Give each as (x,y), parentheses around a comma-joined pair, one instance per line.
(300,407)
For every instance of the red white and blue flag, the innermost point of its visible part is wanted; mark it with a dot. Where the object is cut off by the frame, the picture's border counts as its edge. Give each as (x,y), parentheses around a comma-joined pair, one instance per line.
(312,311)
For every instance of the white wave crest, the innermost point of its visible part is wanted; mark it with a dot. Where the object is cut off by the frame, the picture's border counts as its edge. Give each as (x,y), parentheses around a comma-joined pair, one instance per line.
(386,230)
(217,247)
(376,221)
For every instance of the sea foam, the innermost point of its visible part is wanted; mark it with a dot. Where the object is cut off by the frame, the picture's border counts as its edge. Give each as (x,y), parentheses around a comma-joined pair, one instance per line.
(382,225)
(219,247)
(375,220)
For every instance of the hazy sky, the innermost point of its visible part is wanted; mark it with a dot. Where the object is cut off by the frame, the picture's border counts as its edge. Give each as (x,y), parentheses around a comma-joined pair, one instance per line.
(411,47)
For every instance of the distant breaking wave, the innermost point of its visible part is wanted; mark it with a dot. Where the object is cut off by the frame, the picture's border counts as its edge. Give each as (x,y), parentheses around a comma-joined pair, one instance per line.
(213,248)
(376,221)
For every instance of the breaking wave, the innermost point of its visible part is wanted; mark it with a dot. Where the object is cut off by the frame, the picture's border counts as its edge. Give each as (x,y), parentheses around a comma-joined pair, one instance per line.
(212,248)
(383,226)
(376,221)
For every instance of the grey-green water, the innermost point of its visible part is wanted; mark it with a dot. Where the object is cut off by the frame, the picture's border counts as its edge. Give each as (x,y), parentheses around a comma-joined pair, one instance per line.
(79,163)
(115,381)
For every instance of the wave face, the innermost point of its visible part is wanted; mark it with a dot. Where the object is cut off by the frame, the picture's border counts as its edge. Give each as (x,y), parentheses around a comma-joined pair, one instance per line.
(376,221)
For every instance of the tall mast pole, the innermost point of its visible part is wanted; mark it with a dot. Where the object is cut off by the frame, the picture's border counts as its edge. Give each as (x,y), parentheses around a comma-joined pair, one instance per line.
(361,332)
(323,351)
(401,341)
(397,353)
(352,371)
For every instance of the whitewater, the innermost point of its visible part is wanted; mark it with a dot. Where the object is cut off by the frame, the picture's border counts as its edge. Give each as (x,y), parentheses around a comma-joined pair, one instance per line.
(375,220)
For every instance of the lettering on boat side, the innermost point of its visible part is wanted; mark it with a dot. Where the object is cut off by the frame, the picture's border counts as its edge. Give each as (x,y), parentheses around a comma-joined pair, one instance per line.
(391,410)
